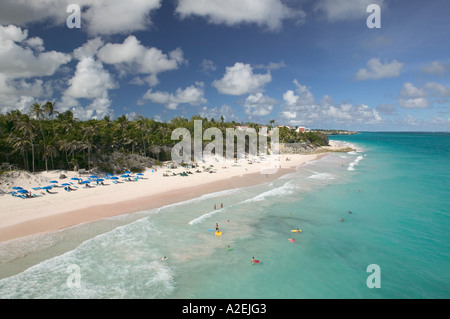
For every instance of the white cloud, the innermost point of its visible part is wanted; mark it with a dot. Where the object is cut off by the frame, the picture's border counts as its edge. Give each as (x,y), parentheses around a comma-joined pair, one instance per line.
(264,13)
(36,44)
(301,108)
(259,104)
(192,95)
(90,81)
(378,70)
(304,97)
(271,66)
(99,17)
(386,108)
(132,57)
(240,79)
(118,16)
(225,110)
(414,103)
(19,94)
(421,98)
(438,89)
(22,62)
(208,66)
(411,121)
(340,10)
(18,56)
(410,91)
(89,49)
(436,68)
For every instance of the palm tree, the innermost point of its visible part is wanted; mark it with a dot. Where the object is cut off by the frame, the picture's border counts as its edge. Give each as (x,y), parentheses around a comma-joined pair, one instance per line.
(272,122)
(26,126)
(144,128)
(67,121)
(90,131)
(65,146)
(49,108)
(37,110)
(20,144)
(48,151)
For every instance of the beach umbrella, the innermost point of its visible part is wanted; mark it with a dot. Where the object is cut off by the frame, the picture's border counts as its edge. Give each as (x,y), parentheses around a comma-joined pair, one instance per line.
(22,191)
(54,182)
(140,174)
(114,177)
(99,180)
(36,188)
(85,182)
(65,184)
(75,179)
(17,187)
(125,175)
(47,187)
(127,172)
(93,176)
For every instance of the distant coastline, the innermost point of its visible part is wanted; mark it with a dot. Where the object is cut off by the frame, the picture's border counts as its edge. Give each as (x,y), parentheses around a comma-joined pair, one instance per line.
(339,132)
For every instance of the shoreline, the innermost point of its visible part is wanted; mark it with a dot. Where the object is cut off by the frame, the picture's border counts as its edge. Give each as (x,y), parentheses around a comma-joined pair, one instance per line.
(51,213)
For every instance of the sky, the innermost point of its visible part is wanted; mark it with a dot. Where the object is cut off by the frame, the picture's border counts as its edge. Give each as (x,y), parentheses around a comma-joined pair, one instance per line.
(307,63)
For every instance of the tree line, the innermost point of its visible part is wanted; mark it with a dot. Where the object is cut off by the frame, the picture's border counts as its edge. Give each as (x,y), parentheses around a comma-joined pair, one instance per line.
(44,139)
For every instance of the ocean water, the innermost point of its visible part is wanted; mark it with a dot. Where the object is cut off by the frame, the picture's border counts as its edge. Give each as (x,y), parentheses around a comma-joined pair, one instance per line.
(396,186)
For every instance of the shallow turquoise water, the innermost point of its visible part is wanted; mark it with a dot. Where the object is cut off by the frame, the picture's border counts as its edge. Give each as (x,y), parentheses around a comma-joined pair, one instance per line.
(396,186)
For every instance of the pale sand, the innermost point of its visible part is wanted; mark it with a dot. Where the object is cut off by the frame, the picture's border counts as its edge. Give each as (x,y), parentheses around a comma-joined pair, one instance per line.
(51,212)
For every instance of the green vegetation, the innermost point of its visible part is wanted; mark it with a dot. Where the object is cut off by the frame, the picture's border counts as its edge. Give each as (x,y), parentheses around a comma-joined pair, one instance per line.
(316,138)
(44,139)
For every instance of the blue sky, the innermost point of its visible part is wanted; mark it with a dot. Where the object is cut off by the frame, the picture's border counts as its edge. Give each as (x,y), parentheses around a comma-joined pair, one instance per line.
(298,62)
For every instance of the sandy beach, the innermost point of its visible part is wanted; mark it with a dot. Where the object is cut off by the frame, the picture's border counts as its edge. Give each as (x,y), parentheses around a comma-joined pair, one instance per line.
(61,209)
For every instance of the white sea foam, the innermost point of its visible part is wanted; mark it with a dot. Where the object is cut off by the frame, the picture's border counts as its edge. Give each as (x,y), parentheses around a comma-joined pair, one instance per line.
(201,198)
(351,166)
(204,216)
(286,189)
(322,176)
(116,264)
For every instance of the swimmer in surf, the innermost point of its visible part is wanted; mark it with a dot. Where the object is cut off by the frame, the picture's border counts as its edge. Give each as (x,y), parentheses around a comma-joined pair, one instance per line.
(253,261)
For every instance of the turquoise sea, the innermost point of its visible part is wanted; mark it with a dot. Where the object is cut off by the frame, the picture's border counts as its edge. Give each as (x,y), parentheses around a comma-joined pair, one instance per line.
(396,186)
